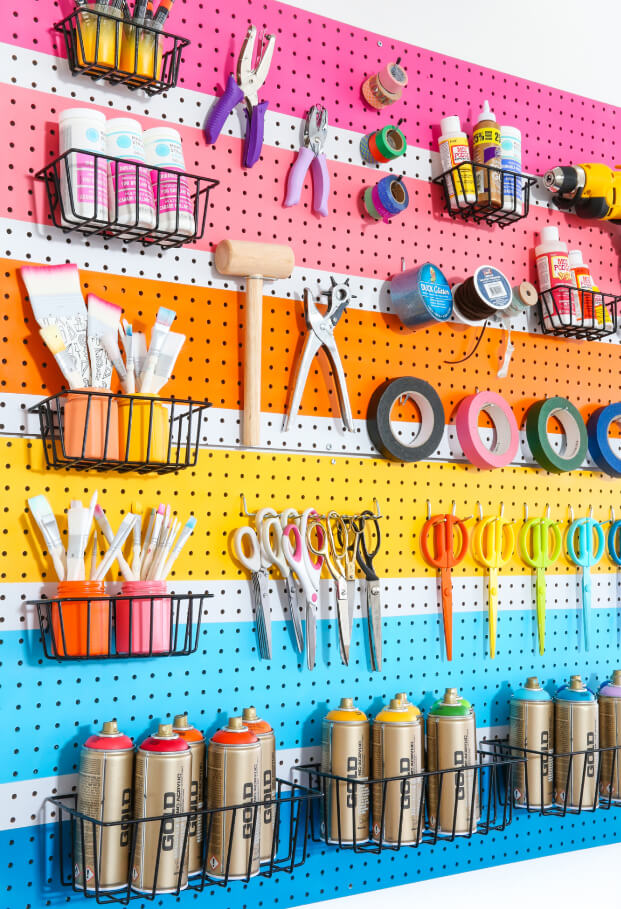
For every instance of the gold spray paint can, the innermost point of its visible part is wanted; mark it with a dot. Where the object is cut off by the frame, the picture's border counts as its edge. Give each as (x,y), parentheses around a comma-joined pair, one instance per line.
(267,785)
(162,787)
(345,753)
(532,727)
(104,794)
(610,737)
(576,728)
(398,812)
(233,769)
(196,741)
(453,798)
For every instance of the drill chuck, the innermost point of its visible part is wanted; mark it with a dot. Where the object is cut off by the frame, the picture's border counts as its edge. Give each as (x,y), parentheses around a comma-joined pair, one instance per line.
(564,180)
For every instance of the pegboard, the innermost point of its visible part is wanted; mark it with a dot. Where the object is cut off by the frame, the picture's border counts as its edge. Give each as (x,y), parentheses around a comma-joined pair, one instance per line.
(50,709)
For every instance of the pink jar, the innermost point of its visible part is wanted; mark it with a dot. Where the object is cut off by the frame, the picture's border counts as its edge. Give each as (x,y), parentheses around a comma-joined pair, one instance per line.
(143,625)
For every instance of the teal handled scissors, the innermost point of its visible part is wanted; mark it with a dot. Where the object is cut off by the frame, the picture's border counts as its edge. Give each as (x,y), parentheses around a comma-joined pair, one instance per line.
(614,540)
(534,545)
(588,554)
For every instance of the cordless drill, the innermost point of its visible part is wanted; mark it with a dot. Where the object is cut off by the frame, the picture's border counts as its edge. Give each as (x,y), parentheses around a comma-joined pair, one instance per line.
(594,190)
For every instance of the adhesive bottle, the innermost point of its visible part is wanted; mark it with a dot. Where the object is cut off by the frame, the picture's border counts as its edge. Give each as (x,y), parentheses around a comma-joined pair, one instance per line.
(486,146)
(553,269)
(130,194)
(173,196)
(80,179)
(454,149)
(583,281)
(511,160)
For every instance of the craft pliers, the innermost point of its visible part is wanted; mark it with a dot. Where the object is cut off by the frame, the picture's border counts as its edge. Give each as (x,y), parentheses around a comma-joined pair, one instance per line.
(246,86)
(311,155)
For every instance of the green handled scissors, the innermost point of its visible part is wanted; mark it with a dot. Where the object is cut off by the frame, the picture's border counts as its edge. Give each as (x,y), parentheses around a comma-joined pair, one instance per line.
(534,544)
(493,542)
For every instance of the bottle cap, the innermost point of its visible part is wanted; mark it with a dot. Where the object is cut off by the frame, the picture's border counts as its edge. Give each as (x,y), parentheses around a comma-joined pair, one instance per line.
(402,696)
(236,722)
(575,258)
(532,683)
(549,234)
(616,677)
(450,125)
(110,727)
(397,704)
(486,113)
(450,696)
(346,704)
(165,731)
(511,132)
(181,721)
(575,683)
(249,714)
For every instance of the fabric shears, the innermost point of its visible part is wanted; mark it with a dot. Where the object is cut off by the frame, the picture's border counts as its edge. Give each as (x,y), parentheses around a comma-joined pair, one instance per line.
(493,542)
(257,562)
(534,545)
(450,544)
(307,571)
(246,86)
(332,545)
(365,553)
(272,534)
(585,556)
(311,155)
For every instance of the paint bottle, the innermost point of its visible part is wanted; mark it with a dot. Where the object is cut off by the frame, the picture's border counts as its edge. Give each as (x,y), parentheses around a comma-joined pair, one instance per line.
(130,195)
(584,282)
(552,262)
(486,147)
(511,161)
(80,180)
(454,151)
(174,204)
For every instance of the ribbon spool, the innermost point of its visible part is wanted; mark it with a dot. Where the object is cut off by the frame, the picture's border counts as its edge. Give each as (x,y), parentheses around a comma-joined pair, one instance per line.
(576,440)
(598,427)
(507,440)
(385,87)
(522,298)
(383,145)
(421,296)
(487,293)
(386,199)
(432,419)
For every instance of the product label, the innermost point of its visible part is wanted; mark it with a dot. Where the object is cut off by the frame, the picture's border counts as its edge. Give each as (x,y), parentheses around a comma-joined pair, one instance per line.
(435,291)
(460,183)
(486,150)
(553,269)
(171,192)
(124,186)
(512,187)
(493,287)
(83,185)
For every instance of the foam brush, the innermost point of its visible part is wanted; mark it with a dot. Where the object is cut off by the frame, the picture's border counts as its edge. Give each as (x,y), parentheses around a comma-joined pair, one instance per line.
(79,530)
(56,299)
(42,512)
(173,342)
(103,319)
(127,340)
(184,536)
(106,530)
(64,359)
(115,546)
(139,350)
(110,345)
(161,555)
(165,318)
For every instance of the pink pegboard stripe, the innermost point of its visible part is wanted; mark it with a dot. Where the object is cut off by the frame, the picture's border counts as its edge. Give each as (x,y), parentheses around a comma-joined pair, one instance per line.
(320,59)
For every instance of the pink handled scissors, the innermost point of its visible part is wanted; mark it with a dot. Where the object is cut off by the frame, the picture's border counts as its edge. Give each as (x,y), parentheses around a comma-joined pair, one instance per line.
(308,573)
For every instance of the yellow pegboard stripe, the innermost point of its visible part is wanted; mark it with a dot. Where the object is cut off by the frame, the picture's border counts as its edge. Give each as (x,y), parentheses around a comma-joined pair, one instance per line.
(212,492)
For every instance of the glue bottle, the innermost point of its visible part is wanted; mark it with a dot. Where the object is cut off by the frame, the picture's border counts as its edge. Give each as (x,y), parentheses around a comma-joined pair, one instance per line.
(511,155)
(454,150)
(560,308)
(486,146)
(584,282)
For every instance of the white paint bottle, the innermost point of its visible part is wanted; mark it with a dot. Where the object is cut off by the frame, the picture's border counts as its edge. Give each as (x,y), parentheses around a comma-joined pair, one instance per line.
(130,194)
(80,177)
(173,201)
(454,150)
(552,262)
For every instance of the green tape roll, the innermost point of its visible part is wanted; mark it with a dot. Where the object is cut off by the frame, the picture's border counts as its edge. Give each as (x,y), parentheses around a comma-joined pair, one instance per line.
(576,439)
(390,141)
(368,202)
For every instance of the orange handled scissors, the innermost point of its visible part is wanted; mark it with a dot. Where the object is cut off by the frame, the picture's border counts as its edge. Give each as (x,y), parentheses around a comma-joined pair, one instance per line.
(443,528)
(493,542)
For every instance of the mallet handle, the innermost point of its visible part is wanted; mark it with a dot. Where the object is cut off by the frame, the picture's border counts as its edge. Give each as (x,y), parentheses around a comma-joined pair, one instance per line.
(252,362)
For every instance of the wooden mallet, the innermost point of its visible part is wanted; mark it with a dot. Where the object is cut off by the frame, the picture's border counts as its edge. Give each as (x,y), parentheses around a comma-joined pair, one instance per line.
(254,261)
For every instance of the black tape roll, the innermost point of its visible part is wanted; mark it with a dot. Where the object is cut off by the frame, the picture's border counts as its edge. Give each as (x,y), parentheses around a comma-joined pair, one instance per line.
(432,419)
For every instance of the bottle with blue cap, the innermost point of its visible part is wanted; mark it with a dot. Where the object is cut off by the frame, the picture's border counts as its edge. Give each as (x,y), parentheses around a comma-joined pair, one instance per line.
(531,734)
(609,700)
(576,738)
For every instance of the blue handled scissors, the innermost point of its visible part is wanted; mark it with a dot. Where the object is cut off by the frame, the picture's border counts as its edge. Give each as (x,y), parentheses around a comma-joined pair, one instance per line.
(614,541)
(586,556)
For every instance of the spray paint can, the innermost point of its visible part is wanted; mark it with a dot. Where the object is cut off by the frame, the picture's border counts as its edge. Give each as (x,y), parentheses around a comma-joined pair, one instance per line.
(104,794)
(414,712)
(345,753)
(398,806)
(453,799)
(267,778)
(610,737)
(196,741)
(532,727)
(576,728)
(162,787)
(233,768)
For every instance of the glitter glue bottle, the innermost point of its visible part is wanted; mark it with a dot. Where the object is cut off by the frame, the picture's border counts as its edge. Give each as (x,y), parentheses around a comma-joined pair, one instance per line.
(385,87)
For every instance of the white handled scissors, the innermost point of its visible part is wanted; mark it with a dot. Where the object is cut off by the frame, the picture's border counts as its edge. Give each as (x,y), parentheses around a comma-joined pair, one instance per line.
(272,540)
(308,573)
(257,562)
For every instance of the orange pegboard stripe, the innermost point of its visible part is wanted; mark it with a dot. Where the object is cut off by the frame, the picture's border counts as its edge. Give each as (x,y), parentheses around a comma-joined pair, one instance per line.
(372,350)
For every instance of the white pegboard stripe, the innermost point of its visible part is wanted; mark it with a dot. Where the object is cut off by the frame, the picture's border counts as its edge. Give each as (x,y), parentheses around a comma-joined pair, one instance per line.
(401,597)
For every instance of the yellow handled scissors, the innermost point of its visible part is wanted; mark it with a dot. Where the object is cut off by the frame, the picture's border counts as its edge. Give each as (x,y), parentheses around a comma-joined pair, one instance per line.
(493,542)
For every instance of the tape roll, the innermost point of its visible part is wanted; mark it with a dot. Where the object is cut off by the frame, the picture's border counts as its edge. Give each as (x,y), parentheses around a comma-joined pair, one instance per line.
(391,196)
(393,78)
(576,439)
(507,434)
(431,428)
(389,142)
(421,296)
(522,298)
(369,204)
(598,426)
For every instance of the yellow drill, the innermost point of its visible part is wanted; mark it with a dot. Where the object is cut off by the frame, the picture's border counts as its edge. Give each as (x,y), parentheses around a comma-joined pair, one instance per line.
(594,190)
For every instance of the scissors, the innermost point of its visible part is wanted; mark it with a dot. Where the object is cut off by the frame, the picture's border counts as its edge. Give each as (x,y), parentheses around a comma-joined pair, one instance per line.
(586,556)
(364,556)
(538,530)
(443,527)
(493,542)
(332,545)
(307,571)
(257,562)
(272,527)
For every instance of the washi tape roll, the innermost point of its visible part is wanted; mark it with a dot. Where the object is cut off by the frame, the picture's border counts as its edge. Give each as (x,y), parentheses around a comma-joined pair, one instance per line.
(574,450)
(598,427)
(421,296)
(506,430)
(382,430)
(369,205)
(383,145)
(385,87)
(389,197)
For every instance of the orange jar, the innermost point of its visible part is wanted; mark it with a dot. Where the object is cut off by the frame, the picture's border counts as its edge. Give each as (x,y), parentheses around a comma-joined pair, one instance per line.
(81,627)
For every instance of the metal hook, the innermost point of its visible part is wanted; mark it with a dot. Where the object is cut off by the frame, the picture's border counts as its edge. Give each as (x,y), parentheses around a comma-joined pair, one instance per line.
(502,510)
(454,508)
(525,511)
(547,512)
(428,509)
(245,508)
(590,511)
(612,515)
(570,508)
(480,510)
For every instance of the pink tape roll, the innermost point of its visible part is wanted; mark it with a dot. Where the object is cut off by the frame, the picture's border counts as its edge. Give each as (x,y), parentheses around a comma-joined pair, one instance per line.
(381,210)
(506,428)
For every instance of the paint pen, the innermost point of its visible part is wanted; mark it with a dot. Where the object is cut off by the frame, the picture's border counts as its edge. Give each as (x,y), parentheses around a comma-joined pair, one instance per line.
(487,151)
(560,308)
(511,161)
(454,152)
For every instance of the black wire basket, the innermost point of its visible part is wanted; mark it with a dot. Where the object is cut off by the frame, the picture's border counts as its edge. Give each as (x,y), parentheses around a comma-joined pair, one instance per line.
(413,809)
(480,192)
(86,846)
(115,208)
(122,626)
(103,46)
(572,312)
(560,783)
(84,429)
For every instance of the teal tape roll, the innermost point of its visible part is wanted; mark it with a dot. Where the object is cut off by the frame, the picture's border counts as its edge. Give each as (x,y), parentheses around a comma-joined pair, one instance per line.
(576,439)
